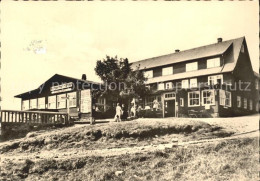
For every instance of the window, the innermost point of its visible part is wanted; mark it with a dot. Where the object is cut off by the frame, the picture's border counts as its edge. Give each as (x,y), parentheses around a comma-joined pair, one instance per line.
(185,84)
(256,107)
(208,97)
(169,95)
(194,98)
(52,102)
(251,104)
(214,62)
(72,99)
(225,98)
(167,71)
(256,84)
(215,79)
(245,103)
(41,103)
(238,101)
(242,48)
(193,83)
(168,85)
(181,102)
(101,101)
(33,103)
(25,105)
(61,101)
(191,66)
(148,74)
(228,99)
(161,86)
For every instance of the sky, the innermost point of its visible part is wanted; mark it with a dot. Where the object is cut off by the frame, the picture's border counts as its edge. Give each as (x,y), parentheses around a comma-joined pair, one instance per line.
(40,39)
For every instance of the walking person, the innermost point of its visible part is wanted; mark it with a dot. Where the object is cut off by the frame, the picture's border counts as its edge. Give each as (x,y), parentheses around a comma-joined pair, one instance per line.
(118,113)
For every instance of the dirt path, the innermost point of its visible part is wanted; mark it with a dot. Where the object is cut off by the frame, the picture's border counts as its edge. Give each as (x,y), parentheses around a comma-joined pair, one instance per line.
(78,153)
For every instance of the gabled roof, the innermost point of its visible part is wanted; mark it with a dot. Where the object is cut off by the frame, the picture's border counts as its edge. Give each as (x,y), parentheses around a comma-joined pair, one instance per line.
(56,77)
(192,54)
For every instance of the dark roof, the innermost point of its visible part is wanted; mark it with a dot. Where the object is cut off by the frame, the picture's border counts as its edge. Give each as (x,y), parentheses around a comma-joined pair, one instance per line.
(191,54)
(54,77)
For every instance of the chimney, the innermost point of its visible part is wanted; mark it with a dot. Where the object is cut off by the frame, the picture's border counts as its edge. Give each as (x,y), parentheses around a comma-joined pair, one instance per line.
(219,40)
(177,50)
(84,77)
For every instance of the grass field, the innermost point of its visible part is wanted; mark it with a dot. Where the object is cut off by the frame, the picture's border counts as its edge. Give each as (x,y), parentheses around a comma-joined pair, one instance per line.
(193,162)
(136,150)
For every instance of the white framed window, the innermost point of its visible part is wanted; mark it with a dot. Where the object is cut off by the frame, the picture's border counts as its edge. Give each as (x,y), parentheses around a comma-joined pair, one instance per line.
(256,84)
(167,71)
(228,99)
(33,103)
(251,104)
(208,97)
(214,62)
(225,98)
(148,74)
(193,83)
(185,84)
(161,86)
(72,99)
(168,85)
(193,98)
(25,105)
(52,102)
(181,102)
(61,101)
(238,101)
(169,95)
(41,103)
(191,66)
(215,79)
(245,103)
(101,101)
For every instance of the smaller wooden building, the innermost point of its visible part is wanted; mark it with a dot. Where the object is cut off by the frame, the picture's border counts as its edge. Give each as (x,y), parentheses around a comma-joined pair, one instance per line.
(63,94)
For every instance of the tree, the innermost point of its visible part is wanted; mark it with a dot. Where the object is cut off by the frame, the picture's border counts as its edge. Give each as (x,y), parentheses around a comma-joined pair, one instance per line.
(120,80)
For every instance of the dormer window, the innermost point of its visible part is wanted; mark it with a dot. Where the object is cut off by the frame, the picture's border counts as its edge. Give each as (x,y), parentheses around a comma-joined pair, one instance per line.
(191,66)
(148,74)
(167,71)
(214,62)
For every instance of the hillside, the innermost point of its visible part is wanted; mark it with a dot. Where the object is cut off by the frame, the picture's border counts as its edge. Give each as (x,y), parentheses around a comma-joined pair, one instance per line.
(145,149)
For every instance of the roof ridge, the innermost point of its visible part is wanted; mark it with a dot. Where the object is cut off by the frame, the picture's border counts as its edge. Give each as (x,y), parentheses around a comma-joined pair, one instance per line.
(231,40)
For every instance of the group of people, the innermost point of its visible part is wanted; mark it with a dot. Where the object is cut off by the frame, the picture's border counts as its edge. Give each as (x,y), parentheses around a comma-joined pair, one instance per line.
(122,112)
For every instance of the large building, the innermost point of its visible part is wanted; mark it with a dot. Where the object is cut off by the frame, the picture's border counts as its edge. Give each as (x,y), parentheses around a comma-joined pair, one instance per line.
(215,80)
(63,94)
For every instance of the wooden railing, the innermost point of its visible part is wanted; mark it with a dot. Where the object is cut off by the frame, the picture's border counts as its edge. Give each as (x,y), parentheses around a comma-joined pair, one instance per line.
(34,117)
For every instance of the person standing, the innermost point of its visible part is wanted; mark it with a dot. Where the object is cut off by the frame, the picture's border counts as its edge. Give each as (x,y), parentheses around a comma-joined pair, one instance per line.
(118,113)
(155,105)
(133,111)
(124,109)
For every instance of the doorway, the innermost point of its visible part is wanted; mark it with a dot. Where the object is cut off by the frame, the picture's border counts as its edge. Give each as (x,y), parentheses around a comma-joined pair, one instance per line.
(169,108)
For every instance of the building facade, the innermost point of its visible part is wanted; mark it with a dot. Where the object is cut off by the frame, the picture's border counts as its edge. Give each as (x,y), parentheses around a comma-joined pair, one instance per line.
(216,80)
(63,94)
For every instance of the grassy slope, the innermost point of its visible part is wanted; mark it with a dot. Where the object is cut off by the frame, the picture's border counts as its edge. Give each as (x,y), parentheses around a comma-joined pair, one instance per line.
(115,135)
(225,160)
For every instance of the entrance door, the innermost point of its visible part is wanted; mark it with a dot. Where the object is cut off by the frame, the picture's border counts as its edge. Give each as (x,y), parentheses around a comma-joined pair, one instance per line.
(169,108)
